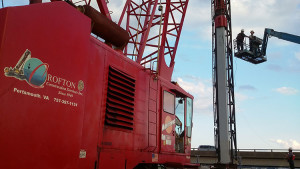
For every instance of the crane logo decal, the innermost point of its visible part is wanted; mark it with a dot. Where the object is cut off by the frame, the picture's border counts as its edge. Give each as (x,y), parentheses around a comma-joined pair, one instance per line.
(168,124)
(168,127)
(33,70)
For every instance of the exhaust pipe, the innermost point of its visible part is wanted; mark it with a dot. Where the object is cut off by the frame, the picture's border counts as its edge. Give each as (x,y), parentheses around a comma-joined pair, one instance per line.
(35,1)
(105,28)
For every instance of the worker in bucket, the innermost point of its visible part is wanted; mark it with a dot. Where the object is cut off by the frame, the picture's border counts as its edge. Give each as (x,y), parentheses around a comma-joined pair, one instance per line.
(240,40)
(251,40)
(290,158)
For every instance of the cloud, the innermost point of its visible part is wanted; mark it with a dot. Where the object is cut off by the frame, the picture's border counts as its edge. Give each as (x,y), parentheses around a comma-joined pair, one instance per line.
(246,14)
(293,64)
(202,92)
(287,91)
(287,143)
(274,14)
(241,97)
(273,67)
(198,19)
(247,87)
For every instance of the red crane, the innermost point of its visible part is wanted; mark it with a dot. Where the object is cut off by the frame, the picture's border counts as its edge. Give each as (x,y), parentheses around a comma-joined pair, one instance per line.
(71,100)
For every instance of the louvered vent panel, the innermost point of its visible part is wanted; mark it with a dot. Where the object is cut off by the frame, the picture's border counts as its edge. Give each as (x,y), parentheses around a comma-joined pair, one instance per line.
(120,100)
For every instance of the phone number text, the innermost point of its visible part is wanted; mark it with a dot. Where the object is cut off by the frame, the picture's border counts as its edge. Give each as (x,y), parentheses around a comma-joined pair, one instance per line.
(65,102)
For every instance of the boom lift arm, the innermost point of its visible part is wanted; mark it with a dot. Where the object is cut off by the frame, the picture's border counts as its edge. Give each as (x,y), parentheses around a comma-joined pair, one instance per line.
(280,35)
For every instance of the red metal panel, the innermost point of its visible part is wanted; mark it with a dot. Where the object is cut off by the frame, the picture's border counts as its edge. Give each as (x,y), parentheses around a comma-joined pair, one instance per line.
(153,93)
(152,128)
(112,159)
(93,107)
(152,105)
(3,15)
(43,126)
(118,138)
(152,117)
(220,21)
(154,84)
(152,140)
(68,130)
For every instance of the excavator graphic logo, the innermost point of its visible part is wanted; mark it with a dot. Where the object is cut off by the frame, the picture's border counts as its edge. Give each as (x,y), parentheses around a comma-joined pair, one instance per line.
(33,70)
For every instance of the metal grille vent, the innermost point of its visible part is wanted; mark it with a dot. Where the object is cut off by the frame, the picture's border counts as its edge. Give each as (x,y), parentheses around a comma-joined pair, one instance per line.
(120,100)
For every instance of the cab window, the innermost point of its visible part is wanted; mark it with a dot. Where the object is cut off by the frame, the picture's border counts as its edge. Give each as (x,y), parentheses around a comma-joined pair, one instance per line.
(179,112)
(189,114)
(169,102)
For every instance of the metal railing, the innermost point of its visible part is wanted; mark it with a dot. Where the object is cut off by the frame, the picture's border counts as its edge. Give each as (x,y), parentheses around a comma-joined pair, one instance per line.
(267,150)
(254,150)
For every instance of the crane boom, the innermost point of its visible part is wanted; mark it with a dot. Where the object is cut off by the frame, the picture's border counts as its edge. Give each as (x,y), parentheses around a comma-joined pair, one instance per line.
(280,35)
(154,32)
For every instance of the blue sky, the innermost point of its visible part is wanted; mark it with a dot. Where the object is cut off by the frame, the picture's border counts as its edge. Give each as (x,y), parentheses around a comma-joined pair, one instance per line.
(267,95)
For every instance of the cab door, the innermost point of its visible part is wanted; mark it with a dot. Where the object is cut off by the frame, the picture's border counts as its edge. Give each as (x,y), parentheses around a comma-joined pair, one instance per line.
(168,122)
(188,124)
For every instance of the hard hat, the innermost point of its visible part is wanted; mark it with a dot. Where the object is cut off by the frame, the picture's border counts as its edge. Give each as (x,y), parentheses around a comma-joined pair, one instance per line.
(242,30)
(290,149)
(251,31)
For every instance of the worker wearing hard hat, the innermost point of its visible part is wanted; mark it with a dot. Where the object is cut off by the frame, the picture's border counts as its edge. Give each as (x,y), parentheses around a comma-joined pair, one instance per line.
(290,158)
(251,39)
(240,40)
(251,32)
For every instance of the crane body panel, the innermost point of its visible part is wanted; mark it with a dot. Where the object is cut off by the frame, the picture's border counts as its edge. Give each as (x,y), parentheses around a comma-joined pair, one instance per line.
(70,101)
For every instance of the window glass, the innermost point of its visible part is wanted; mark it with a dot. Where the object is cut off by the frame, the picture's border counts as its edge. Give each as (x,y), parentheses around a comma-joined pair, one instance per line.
(169,102)
(189,114)
(179,112)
